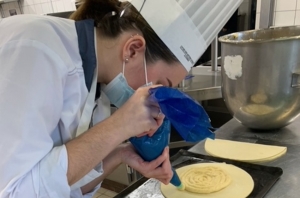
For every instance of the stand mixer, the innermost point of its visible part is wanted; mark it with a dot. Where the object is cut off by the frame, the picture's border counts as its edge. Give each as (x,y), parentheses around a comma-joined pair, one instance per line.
(260,76)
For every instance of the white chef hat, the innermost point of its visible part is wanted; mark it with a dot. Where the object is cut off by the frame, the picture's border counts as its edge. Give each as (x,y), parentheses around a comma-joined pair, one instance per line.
(187,27)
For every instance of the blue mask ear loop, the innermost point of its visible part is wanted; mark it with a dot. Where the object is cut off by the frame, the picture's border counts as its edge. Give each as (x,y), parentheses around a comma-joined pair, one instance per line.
(124,63)
(146,73)
(145,68)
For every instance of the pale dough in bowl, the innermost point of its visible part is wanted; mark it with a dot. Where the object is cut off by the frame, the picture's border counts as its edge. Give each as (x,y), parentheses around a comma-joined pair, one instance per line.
(240,186)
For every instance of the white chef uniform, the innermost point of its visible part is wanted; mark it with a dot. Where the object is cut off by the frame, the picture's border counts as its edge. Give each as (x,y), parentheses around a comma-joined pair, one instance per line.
(47,66)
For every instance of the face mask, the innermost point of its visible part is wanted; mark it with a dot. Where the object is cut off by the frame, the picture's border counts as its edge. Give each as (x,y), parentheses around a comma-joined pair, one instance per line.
(118,91)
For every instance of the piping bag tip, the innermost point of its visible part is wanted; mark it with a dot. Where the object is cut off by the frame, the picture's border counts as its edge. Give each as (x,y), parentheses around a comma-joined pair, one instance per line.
(181,187)
(176,181)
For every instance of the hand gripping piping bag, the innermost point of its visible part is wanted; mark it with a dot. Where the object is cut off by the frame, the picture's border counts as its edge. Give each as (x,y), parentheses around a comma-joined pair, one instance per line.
(186,115)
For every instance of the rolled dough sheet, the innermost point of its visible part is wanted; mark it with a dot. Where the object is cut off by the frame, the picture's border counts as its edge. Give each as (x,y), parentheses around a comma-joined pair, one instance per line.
(269,159)
(241,184)
(242,151)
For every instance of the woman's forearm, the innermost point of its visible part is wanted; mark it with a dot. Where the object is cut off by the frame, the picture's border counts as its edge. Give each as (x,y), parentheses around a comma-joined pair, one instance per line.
(87,150)
(110,163)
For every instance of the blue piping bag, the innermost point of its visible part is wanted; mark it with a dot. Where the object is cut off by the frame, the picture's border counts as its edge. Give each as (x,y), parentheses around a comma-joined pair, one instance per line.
(186,115)
(151,148)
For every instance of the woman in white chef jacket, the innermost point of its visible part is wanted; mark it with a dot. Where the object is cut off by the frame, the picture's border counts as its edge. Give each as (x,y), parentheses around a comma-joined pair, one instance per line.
(49,68)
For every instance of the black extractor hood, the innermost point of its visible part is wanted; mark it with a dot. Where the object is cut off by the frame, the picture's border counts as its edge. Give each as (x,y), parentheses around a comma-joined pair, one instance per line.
(61,14)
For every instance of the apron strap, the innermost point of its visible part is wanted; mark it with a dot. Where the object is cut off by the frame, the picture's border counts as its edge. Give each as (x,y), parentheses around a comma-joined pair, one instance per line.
(87,48)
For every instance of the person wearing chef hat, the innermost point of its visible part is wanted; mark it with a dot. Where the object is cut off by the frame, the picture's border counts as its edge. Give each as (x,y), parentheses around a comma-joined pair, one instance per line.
(59,77)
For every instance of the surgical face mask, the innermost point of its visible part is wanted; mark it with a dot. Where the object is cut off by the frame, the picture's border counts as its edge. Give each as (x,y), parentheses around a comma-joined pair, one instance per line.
(118,91)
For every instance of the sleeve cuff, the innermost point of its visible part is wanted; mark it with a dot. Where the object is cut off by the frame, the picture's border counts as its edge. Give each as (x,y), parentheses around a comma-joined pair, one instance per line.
(76,193)
(93,174)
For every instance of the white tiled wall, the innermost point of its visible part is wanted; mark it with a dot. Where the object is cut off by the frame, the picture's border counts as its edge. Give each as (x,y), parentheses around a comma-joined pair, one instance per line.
(287,12)
(39,6)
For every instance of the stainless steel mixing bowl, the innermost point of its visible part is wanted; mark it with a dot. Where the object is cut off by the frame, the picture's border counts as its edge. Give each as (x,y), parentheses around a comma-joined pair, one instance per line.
(260,76)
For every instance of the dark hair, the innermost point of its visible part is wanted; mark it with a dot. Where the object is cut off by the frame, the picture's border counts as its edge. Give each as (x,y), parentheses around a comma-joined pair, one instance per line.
(106,14)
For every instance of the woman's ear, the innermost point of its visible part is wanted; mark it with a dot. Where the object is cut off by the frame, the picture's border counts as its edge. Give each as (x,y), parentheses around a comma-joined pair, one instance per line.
(135,45)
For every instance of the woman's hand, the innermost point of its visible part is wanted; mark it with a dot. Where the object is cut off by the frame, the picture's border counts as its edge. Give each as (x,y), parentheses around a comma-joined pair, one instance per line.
(138,116)
(151,169)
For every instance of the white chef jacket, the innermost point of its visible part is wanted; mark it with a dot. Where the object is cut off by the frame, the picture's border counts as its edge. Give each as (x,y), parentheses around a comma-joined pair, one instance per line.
(42,92)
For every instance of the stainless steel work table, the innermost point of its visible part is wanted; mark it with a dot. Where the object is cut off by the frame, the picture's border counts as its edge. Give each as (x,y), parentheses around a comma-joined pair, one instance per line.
(288,186)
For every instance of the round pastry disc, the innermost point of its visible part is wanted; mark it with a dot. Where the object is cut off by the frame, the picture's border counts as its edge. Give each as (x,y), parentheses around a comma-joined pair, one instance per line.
(241,185)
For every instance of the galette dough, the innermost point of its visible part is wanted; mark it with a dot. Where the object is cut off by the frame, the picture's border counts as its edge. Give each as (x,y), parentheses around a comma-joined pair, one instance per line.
(241,184)
(205,180)
(242,151)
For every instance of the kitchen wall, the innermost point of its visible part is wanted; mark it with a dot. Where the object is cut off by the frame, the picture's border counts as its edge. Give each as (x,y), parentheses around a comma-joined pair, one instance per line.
(244,10)
(286,12)
(38,6)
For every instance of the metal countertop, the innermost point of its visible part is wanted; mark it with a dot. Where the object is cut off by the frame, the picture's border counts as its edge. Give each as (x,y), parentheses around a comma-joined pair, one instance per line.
(289,183)
(286,187)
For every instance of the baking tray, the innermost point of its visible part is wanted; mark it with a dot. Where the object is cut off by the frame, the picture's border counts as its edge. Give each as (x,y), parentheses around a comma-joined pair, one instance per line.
(264,177)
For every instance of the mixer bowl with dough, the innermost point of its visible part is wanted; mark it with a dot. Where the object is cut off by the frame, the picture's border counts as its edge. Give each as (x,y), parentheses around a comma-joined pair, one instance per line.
(261,76)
